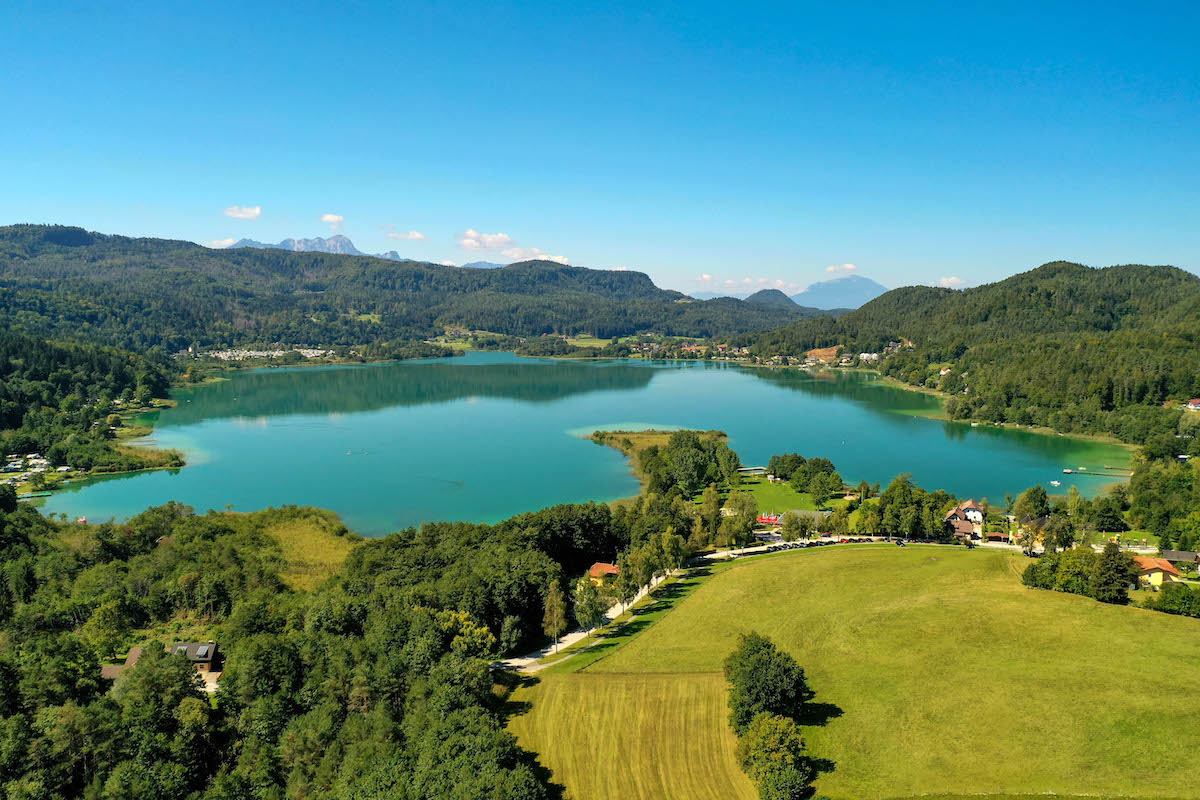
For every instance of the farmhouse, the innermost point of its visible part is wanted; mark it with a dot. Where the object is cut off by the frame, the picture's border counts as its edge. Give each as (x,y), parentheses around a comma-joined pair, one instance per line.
(1156,571)
(965,519)
(602,571)
(1193,405)
(962,529)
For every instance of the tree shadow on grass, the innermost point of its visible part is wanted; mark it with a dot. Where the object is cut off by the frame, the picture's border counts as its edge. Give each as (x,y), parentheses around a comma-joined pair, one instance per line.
(818,714)
(511,681)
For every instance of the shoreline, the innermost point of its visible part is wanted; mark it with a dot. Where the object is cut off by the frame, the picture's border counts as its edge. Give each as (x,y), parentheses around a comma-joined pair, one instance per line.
(941,416)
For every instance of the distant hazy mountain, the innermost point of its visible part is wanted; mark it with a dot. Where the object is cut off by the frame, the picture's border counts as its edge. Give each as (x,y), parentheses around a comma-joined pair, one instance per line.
(484,265)
(334,244)
(337,243)
(392,255)
(851,291)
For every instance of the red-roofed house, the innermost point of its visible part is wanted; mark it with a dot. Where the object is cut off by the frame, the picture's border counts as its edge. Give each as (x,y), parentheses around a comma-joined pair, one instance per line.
(600,572)
(1194,405)
(1156,571)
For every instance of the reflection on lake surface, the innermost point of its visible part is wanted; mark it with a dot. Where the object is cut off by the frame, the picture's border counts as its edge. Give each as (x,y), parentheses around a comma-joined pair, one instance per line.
(490,435)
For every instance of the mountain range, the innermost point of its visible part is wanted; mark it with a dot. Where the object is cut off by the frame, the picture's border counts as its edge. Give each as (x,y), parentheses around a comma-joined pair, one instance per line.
(851,291)
(336,244)
(66,282)
(341,245)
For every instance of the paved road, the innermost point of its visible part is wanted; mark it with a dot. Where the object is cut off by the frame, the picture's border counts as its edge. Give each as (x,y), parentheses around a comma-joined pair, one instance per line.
(528,662)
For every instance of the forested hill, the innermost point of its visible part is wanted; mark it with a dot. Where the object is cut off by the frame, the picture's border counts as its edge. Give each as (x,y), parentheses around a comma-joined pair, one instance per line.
(65,282)
(1070,347)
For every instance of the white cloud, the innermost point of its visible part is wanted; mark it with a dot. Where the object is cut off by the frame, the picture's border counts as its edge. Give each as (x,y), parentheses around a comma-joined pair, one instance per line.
(471,239)
(708,282)
(619,269)
(951,282)
(449,264)
(334,221)
(392,233)
(842,269)
(244,212)
(219,243)
(533,254)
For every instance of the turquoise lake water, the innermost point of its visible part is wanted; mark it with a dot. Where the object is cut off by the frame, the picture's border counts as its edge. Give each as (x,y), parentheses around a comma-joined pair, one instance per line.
(490,435)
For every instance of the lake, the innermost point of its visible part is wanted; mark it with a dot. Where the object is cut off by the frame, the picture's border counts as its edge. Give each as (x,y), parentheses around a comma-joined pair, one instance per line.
(490,435)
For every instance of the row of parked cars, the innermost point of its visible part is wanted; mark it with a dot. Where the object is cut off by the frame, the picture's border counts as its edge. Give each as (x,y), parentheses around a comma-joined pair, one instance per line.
(775,548)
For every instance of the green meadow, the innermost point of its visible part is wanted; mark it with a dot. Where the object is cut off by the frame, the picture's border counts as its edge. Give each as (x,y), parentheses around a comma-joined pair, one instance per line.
(937,675)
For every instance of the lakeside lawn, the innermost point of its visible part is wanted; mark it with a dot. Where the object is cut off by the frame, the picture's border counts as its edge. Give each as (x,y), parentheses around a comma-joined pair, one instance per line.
(938,674)
(780,497)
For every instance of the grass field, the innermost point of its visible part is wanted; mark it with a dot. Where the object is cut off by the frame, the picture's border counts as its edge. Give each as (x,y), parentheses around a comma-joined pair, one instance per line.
(939,673)
(311,547)
(780,497)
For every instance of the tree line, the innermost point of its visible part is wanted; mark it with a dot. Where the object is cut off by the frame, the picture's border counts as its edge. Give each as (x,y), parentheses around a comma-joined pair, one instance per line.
(62,399)
(66,283)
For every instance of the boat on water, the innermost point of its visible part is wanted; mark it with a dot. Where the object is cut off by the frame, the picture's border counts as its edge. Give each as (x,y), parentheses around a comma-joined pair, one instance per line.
(1067,471)
(1056,483)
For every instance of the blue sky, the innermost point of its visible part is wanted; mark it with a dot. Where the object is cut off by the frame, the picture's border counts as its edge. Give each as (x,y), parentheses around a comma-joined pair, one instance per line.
(756,144)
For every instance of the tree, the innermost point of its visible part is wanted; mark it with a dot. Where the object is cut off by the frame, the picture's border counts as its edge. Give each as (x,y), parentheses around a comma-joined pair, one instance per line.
(674,550)
(710,508)
(739,526)
(1074,503)
(8,499)
(791,526)
(1059,533)
(1031,504)
(626,585)
(1114,572)
(554,620)
(107,628)
(763,678)
(819,488)
(589,608)
(1075,569)
(771,744)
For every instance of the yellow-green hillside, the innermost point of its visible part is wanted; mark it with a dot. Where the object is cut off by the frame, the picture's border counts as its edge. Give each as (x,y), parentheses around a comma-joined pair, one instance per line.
(944,674)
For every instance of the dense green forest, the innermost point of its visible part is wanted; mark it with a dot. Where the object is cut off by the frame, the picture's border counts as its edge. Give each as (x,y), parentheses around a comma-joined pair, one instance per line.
(58,399)
(377,684)
(66,283)
(1064,346)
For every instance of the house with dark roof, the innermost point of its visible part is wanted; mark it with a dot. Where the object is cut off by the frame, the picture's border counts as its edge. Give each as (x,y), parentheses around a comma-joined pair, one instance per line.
(965,520)
(204,656)
(1181,556)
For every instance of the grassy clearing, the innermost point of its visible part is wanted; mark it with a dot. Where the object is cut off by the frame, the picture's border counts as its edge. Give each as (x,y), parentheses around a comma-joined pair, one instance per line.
(943,675)
(780,497)
(313,547)
(587,341)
